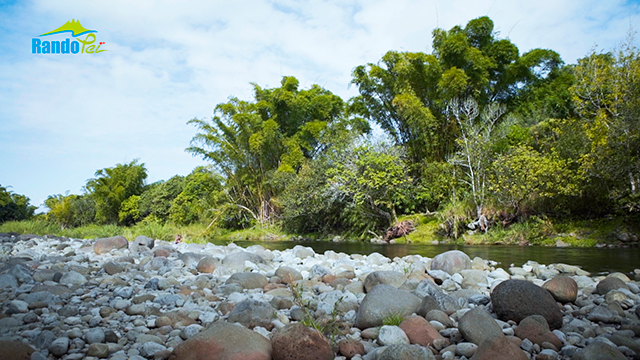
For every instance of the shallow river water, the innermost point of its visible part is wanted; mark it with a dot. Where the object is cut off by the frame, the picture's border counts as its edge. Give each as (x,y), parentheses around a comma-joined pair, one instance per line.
(594,260)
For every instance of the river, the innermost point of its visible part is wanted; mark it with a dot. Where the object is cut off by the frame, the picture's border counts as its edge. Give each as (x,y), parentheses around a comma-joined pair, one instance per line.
(596,261)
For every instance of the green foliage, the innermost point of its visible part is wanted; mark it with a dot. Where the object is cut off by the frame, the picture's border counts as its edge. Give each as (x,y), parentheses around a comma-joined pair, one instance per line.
(158,197)
(393,320)
(408,94)
(70,210)
(112,186)
(252,143)
(14,207)
(199,199)
(524,177)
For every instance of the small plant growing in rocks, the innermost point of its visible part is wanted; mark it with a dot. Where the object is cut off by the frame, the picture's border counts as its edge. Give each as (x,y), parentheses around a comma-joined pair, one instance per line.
(394,320)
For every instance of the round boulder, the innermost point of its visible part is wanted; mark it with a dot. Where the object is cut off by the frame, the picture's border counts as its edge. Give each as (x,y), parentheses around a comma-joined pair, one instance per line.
(225,340)
(476,325)
(298,342)
(563,288)
(419,331)
(207,264)
(350,347)
(598,350)
(235,261)
(105,245)
(536,329)
(288,275)
(517,299)
(252,313)
(385,301)
(610,283)
(393,278)
(248,280)
(451,262)
(499,348)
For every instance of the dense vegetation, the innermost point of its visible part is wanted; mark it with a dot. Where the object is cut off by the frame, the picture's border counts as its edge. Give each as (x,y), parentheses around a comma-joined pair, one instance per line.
(477,136)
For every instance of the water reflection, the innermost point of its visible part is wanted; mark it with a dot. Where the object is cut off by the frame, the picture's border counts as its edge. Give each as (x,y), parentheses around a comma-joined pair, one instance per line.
(590,259)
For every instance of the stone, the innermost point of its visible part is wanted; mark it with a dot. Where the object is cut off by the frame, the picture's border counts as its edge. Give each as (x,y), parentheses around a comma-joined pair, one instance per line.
(252,313)
(298,342)
(142,241)
(227,341)
(288,275)
(8,281)
(466,349)
(105,245)
(73,278)
(113,268)
(98,350)
(610,283)
(498,348)
(95,335)
(248,280)
(563,288)
(385,301)
(517,299)
(439,316)
(44,339)
(150,349)
(350,347)
(452,262)
(59,346)
(393,278)
(419,331)
(605,315)
(392,335)
(536,329)
(236,261)
(207,265)
(406,352)
(15,350)
(599,350)
(303,252)
(477,325)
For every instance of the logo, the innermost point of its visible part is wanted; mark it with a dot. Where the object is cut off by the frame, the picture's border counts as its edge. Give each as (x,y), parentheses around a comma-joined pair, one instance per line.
(69,45)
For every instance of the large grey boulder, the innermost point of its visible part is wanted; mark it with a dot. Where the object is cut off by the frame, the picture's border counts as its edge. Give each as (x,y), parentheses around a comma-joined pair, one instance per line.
(476,325)
(517,299)
(384,301)
(236,261)
(452,262)
(406,352)
(248,280)
(393,278)
(105,245)
(599,350)
(252,313)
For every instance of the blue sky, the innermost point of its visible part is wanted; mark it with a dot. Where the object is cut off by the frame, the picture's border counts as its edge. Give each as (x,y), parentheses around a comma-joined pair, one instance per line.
(62,117)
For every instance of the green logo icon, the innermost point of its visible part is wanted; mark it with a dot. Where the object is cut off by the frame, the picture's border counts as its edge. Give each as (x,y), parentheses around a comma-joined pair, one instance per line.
(67,46)
(73,26)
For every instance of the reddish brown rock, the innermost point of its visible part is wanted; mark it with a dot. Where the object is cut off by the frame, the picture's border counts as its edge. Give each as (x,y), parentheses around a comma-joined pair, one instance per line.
(499,348)
(207,265)
(224,341)
(536,329)
(298,342)
(349,348)
(419,331)
(14,350)
(563,288)
(162,251)
(105,245)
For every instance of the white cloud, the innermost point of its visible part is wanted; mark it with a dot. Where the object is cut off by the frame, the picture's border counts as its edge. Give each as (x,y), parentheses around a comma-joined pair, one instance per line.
(63,117)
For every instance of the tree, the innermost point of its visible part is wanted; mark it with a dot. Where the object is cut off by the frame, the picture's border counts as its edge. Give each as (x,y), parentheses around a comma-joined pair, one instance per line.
(112,186)
(607,98)
(200,198)
(70,210)
(474,154)
(407,94)
(254,143)
(14,207)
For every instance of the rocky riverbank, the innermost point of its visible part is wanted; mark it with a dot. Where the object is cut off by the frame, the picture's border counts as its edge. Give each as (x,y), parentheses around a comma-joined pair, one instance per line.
(110,298)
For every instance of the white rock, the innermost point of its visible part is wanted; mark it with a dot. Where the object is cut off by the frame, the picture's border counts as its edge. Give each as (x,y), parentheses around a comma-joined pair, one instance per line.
(391,335)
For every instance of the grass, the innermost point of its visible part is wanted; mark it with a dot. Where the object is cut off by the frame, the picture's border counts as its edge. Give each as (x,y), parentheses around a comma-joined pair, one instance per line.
(426,230)
(394,320)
